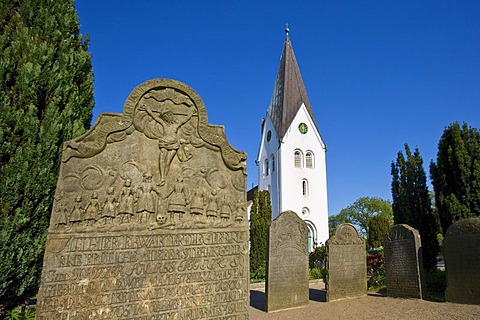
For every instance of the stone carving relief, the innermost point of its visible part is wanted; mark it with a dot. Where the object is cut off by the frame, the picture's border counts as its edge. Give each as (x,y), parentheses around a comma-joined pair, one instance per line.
(134,193)
(150,218)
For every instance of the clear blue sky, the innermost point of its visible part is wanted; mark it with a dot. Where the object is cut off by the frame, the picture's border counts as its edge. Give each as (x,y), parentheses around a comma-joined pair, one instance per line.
(378,73)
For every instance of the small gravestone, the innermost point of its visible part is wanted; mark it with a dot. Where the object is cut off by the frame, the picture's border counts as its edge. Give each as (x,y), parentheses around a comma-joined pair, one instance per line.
(461,250)
(346,264)
(149,219)
(287,271)
(403,262)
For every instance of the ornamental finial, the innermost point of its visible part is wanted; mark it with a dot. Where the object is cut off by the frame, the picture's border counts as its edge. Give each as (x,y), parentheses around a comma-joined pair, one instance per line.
(287,29)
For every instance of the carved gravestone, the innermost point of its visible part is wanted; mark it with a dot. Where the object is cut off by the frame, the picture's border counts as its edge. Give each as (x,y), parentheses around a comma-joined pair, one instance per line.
(287,271)
(346,264)
(149,218)
(461,250)
(403,262)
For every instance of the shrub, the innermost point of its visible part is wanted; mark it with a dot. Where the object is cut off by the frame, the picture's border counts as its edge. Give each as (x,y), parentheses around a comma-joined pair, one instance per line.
(376,269)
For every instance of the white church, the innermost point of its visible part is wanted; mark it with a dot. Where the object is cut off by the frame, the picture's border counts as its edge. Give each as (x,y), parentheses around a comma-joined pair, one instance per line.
(291,156)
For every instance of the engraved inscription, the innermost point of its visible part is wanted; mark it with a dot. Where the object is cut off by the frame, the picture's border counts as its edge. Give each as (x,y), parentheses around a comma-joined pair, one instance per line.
(403,263)
(346,264)
(149,219)
(287,272)
(462,261)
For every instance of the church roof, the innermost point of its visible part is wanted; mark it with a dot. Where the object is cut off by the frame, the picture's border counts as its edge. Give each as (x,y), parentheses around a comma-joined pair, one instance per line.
(289,92)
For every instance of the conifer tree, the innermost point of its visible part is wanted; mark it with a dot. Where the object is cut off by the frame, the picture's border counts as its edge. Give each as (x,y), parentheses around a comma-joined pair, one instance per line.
(456,174)
(411,202)
(260,220)
(46,98)
(378,227)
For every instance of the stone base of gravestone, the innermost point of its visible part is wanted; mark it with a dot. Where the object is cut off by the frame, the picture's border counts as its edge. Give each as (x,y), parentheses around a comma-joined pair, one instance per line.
(461,250)
(287,271)
(403,262)
(346,264)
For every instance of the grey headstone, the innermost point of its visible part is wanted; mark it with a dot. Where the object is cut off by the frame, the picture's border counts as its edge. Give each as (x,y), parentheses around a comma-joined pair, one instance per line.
(461,250)
(149,219)
(287,271)
(403,262)
(346,264)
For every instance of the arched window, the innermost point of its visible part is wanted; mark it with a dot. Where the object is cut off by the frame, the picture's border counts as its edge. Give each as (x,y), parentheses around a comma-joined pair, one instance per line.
(298,159)
(305,212)
(266,168)
(309,159)
(305,187)
(272,159)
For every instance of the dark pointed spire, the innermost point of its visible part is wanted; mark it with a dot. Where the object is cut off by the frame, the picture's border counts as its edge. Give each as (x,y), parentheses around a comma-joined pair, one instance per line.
(289,92)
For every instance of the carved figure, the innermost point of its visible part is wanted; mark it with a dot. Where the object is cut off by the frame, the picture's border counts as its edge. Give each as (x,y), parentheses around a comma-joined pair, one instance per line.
(61,212)
(240,211)
(109,206)
(92,210)
(127,202)
(76,217)
(225,210)
(197,205)
(212,206)
(168,116)
(145,198)
(178,199)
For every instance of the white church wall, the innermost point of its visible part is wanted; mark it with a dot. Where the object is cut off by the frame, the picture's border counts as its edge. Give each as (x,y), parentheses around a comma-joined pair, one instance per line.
(267,150)
(291,194)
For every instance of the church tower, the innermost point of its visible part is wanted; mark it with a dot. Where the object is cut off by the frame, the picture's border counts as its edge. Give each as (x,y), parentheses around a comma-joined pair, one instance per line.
(291,157)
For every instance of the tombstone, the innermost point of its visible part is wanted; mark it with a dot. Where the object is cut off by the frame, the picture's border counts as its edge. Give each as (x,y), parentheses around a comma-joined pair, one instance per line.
(403,262)
(346,264)
(129,236)
(461,251)
(287,271)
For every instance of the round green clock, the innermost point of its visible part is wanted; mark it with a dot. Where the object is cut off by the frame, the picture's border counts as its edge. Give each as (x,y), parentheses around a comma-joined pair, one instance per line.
(303,128)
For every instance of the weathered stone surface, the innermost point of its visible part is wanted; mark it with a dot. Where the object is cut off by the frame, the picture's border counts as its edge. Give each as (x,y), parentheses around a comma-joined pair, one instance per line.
(461,250)
(287,272)
(403,262)
(149,219)
(346,264)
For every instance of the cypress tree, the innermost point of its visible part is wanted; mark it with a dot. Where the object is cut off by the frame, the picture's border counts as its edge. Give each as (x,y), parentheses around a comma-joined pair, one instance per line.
(378,227)
(260,220)
(46,97)
(456,174)
(411,202)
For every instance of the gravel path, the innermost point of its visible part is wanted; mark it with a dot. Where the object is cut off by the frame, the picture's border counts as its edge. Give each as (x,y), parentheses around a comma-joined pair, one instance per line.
(370,307)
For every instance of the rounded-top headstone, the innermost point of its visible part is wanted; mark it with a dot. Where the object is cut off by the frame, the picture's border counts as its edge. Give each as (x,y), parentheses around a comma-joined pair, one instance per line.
(403,262)
(461,250)
(346,264)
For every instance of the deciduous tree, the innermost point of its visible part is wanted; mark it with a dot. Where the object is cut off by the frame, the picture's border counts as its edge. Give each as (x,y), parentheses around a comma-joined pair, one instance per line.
(46,97)
(363,209)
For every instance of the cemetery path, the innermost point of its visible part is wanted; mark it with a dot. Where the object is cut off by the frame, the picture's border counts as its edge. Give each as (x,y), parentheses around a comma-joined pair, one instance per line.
(370,307)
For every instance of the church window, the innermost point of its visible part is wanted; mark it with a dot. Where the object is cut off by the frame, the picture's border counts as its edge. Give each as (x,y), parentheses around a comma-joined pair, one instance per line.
(272,159)
(266,168)
(298,159)
(305,187)
(309,160)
